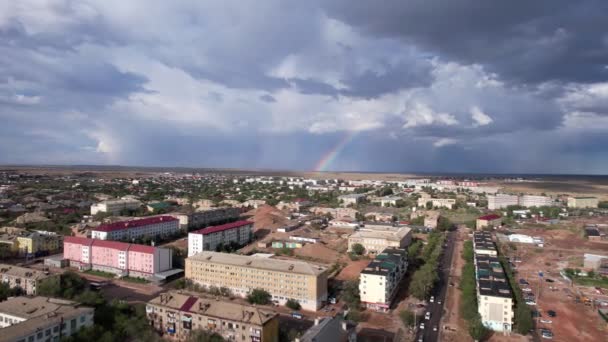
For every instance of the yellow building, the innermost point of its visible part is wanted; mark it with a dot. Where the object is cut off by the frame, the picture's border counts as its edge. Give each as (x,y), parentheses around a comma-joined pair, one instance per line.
(283,279)
(36,242)
(582,202)
(177,315)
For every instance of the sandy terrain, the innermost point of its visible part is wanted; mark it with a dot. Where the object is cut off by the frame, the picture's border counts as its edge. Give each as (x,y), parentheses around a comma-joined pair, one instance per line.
(579,187)
(352,270)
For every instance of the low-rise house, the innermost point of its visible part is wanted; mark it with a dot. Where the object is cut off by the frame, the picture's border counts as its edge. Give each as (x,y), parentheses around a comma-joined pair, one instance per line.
(350,224)
(489,221)
(27,279)
(42,319)
(115,207)
(304,239)
(210,238)
(334,329)
(379,281)
(351,199)
(178,315)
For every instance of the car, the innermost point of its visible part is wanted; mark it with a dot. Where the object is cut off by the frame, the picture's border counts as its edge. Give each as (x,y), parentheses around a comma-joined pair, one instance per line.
(546,321)
(523,281)
(552,313)
(530,302)
(420,305)
(439,302)
(427,315)
(421,339)
(422,325)
(435,328)
(546,333)
(526,289)
(549,280)
(451,284)
(432,300)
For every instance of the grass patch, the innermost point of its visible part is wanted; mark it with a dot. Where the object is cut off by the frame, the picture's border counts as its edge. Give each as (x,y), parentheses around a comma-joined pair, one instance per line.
(135,280)
(101,273)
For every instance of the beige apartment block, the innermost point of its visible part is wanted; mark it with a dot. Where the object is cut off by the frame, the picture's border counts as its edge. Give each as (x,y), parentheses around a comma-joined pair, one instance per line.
(29,280)
(375,241)
(283,279)
(176,315)
(582,202)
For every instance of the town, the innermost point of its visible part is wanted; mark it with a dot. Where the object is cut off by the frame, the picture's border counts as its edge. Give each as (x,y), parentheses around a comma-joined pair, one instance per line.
(113,255)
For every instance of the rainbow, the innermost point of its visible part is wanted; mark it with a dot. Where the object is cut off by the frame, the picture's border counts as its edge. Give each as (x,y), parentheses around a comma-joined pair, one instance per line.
(331,155)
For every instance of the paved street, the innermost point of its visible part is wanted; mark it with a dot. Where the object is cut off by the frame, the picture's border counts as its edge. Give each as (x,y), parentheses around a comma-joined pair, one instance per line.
(439,292)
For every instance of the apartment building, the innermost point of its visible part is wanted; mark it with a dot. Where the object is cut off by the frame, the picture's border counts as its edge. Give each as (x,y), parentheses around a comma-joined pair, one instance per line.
(115,207)
(351,199)
(22,242)
(447,203)
(283,279)
(494,296)
(535,201)
(177,315)
(334,329)
(122,259)
(379,281)
(210,238)
(583,202)
(151,227)
(377,240)
(488,221)
(501,201)
(29,280)
(483,244)
(207,216)
(41,319)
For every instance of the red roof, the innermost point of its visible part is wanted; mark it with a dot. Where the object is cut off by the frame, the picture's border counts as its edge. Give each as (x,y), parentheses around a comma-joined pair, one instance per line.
(227,226)
(489,217)
(121,246)
(77,240)
(110,227)
(188,304)
(142,249)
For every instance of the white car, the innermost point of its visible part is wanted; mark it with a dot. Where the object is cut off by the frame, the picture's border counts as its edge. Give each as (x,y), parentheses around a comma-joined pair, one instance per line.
(546,321)
(432,300)
(435,328)
(422,325)
(427,316)
(526,289)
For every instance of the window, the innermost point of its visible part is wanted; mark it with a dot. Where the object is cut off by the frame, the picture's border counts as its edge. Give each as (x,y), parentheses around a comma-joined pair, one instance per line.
(39,335)
(55,328)
(82,318)
(73,324)
(47,332)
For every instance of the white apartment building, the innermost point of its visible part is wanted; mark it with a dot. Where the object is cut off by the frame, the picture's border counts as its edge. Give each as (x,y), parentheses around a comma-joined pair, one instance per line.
(376,241)
(447,203)
(500,201)
(41,319)
(208,239)
(379,281)
(114,207)
(582,202)
(154,226)
(494,296)
(535,201)
(351,199)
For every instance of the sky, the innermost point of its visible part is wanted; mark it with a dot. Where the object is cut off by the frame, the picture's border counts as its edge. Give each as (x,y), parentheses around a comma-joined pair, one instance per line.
(403,86)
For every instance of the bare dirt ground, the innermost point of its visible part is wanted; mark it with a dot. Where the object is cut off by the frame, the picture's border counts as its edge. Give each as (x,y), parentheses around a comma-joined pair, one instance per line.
(574,321)
(569,238)
(579,187)
(352,270)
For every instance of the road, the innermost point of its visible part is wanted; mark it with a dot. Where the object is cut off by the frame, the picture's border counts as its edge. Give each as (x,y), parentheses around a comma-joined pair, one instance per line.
(439,292)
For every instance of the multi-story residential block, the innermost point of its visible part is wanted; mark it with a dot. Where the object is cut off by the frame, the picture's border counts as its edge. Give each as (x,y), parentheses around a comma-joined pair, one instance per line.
(22,242)
(489,221)
(351,199)
(334,329)
(115,207)
(501,201)
(210,238)
(204,217)
(177,315)
(298,205)
(122,259)
(535,201)
(156,226)
(283,279)
(494,296)
(379,281)
(41,319)
(582,202)
(447,203)
(375,241)
(27,279)
(483,244)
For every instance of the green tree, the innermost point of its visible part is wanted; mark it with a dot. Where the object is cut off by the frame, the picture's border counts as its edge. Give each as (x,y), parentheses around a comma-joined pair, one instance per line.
(293,304)
(259,296)
(204,336)
(358,249)
(350,294)
(476,328)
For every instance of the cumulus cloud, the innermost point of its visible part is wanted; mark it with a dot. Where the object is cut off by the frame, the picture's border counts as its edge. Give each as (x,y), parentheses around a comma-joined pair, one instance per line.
(479,117)
(420,114)
(445,142)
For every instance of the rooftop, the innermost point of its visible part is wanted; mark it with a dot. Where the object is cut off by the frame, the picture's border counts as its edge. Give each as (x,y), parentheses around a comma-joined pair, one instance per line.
(227,226)
(122,246)
(392,235)
(489,217)
(328,329)
(214,308)
(22,272)
(288,266)
(134,223)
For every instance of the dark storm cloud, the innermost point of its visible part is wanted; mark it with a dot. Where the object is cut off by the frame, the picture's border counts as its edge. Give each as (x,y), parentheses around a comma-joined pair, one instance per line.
(527,41)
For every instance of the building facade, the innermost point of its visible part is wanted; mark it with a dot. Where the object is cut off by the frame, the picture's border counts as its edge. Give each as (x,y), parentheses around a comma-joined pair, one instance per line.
(351,199)
(122,259)
(501,201)
(583,202)
(115,207)
(150,227)
(379,281)
(210,238)
(28,319)
(375,241)
(489,221)
(204,217)
(27,279)
(535,201)
(283,279)
(177,315)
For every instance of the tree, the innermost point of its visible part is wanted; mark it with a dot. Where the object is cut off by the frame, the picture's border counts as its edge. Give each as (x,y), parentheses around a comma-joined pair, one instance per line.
(293,304)
(203,336)
(358,249)
(259,296)
(476,328)
(408,318)
(350,294)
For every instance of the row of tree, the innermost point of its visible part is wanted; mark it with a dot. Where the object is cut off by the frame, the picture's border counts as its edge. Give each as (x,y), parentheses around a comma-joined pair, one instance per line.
(424,278)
